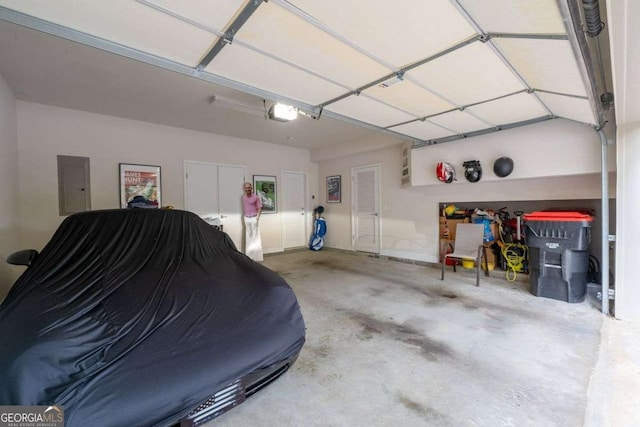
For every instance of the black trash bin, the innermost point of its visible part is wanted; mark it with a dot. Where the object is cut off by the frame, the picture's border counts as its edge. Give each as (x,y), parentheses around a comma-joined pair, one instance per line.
(558,244)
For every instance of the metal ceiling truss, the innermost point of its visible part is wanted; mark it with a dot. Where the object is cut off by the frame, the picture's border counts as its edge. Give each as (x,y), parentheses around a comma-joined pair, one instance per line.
(481,132)
(492,129)
(312,111)
(230,32)
(515,72)
(571,16)
(366,125)
(400,73)
(527,36)
(487,38)
(461,108)
(569,10)
(568,95)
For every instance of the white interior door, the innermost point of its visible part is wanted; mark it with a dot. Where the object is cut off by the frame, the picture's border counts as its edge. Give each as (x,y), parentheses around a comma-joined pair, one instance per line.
(231,180)
(201,189)
(294,213)
(215,191)
(366,208)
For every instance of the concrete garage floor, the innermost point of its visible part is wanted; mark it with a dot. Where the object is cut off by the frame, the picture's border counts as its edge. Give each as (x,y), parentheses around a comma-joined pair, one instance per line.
(389,344)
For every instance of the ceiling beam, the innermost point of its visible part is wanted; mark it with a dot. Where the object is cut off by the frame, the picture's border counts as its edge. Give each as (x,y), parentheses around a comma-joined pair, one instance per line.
(230,32)
(482,131)
(528,36)
(400,74)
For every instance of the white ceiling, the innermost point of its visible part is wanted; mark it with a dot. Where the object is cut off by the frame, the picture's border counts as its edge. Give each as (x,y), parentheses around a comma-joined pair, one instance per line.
(415,70)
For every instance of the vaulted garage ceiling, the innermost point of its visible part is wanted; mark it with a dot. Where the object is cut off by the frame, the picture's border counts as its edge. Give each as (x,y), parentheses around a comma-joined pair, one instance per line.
(425,71)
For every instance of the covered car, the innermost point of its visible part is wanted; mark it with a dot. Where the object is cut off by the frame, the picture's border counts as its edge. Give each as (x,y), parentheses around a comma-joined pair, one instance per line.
(144,317)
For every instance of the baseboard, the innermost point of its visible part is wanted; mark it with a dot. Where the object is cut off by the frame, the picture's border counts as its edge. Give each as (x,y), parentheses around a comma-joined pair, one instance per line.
(272,250)
(397,256)
(409,256)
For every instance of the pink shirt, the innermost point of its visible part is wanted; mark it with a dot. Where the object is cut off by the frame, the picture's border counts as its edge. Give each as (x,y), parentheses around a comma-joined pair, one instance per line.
(251,204)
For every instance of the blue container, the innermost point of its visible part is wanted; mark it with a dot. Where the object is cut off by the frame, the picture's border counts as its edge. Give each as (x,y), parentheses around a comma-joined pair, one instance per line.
(488,234)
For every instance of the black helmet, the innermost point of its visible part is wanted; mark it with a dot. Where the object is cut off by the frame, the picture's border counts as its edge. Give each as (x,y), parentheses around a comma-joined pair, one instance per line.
(472,170)
(503,166)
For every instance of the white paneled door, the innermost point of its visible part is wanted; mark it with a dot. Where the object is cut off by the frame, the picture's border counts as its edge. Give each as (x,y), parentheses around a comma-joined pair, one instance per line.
(215,191)
(294,212)
(366,208)
(230,183)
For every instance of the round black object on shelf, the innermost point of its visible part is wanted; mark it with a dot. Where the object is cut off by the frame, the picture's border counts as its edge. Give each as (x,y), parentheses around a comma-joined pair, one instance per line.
(472,170)
(503,166)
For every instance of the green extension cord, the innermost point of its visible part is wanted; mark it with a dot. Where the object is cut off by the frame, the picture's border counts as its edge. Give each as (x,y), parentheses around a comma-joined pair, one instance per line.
(514,254)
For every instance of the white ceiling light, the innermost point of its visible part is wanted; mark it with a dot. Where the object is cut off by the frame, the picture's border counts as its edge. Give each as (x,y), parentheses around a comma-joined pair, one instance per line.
(236,105)
(282,113)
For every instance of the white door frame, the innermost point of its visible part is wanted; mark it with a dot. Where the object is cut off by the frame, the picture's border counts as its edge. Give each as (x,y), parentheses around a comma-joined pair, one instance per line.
(307,226)
(378,167)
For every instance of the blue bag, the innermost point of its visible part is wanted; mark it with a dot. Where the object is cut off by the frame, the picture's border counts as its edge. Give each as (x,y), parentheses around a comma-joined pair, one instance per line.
(317,238)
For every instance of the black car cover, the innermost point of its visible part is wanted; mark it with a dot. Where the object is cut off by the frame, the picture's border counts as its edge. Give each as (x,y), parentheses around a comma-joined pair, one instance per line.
(129,317)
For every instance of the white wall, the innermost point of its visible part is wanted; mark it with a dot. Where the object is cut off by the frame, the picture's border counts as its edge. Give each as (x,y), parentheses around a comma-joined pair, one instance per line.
(405,232)
(375,141)
(8,186)
(624,33)
(627,285)
(566,154)
(45,132)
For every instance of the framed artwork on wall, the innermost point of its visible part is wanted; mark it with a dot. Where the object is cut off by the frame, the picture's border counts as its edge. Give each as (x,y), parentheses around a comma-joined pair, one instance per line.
(140,186)
(265,188)
(334,189)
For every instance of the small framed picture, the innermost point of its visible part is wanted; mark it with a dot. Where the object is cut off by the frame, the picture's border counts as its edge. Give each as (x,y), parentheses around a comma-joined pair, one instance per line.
(334,189)
(140,186)
(265,188)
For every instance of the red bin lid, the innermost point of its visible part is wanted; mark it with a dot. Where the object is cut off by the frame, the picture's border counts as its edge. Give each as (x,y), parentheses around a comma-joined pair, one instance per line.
(558,216)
